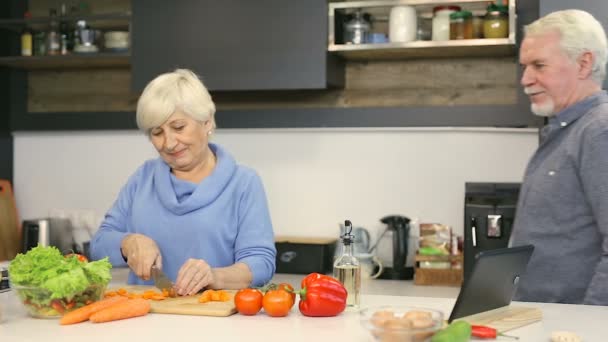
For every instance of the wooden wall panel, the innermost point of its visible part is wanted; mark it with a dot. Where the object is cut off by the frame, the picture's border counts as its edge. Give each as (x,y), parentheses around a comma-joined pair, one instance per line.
(437,82)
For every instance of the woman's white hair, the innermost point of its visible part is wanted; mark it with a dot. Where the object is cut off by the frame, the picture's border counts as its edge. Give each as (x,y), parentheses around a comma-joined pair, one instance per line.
(579,32)
(181,90)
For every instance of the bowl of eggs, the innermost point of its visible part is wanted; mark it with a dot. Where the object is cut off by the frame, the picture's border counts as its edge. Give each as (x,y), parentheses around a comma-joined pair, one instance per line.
(401,323)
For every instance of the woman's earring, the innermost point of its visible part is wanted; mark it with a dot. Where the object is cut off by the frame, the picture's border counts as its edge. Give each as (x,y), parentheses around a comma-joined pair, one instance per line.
(209,132)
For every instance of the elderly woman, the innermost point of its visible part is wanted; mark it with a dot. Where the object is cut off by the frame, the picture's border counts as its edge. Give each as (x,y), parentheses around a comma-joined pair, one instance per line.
(194,212)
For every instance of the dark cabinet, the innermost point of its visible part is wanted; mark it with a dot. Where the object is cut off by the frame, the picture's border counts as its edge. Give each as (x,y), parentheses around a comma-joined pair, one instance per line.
(235,44)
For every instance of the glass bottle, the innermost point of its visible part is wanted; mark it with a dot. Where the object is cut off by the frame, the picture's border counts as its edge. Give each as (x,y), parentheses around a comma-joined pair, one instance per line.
(347,268)
(53,38)
(26,38)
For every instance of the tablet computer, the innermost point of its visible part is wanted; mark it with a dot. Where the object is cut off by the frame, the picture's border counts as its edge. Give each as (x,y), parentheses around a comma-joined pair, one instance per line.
(492,281)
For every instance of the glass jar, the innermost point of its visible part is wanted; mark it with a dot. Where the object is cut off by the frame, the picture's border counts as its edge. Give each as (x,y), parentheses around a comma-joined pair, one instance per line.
(441,21)
(461,25)
(357,29)
(496,22)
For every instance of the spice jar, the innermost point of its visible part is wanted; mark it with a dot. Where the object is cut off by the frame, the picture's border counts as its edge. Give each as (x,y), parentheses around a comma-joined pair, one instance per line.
(461,25)
(441,22)
(496,22)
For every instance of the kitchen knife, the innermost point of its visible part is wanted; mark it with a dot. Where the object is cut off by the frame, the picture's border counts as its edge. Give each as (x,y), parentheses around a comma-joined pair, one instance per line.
(161,280)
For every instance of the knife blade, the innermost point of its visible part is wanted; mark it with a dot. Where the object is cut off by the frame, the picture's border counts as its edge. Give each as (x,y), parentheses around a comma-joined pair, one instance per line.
(161,281)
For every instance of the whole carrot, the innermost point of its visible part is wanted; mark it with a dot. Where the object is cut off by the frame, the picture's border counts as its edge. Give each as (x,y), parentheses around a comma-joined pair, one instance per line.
(82,314)
(131,308)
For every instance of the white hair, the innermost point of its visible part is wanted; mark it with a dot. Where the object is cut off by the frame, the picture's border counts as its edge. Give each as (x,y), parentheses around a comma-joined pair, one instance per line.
(579,32)
(181,90)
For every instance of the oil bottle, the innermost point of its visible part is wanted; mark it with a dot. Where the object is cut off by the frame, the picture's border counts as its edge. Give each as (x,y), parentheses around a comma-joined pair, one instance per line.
(347,268)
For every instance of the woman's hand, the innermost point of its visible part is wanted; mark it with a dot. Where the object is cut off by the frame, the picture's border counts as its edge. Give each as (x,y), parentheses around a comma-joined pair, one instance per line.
(193,276)
(141,253)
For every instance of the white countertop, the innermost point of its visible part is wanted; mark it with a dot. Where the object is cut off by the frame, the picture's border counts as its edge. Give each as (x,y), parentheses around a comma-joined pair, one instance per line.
(587,321)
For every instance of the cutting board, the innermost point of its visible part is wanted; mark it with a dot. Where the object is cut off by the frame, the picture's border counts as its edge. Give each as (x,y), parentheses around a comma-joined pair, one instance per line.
(506,318)
(10,237)
(186,305)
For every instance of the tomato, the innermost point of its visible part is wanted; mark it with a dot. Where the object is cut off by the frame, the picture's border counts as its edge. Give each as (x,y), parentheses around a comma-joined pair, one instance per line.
(80,257)
(277,303)
(248,301)
(289,289)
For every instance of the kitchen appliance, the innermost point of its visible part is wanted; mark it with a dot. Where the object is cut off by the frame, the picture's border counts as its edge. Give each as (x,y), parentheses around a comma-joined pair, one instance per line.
(303,255)
(48,232)
(489,213)
(398,228)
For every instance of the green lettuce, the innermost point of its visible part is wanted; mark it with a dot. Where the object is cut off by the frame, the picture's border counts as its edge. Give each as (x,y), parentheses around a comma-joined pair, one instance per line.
(46,268)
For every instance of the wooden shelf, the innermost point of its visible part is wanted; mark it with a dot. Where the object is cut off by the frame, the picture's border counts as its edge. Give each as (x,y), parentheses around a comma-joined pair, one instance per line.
(427,49)
(502,47)
(73,61)
(97,21)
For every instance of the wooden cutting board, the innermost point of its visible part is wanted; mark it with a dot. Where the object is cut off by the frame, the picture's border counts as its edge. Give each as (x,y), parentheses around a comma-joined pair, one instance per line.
(186,305)
(506,318)
(10,237)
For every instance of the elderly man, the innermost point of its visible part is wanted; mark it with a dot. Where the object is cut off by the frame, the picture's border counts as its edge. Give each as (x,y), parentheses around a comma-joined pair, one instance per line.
(563,204)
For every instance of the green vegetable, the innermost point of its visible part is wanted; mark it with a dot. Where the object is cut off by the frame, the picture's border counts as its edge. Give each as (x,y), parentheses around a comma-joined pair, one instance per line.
(45,268)
(459,331)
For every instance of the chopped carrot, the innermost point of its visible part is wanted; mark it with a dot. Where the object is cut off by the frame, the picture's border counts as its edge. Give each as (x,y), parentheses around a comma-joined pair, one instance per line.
(82,314)
(122,291)
(214,295)
(165,292)
(131,308)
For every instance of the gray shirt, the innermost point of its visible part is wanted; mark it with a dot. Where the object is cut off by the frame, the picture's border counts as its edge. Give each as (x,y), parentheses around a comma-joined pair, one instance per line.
(563,208)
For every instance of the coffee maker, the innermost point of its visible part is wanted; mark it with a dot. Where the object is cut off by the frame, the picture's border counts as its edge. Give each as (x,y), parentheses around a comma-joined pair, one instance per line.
(48,232)
(398,227)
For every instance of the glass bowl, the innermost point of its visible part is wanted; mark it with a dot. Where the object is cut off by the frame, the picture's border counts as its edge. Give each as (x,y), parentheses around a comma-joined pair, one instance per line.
(39,302)
(401,323)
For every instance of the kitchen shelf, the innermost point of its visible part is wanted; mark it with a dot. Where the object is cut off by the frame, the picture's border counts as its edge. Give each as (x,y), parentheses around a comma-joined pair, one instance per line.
(101,21)
(72,61)
(420,48)
(426,49)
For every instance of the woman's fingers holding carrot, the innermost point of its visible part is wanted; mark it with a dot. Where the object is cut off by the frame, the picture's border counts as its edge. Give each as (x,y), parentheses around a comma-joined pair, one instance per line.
(193,276)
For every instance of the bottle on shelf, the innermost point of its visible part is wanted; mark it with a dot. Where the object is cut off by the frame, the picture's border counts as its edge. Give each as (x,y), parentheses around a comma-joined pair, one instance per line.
(347,268)
(53,37)
(26,38)
(66,33)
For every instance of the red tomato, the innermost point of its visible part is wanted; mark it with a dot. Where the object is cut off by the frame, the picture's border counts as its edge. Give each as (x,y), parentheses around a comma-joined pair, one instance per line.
(248,301)
(80,257)
(277,303)
(289,289)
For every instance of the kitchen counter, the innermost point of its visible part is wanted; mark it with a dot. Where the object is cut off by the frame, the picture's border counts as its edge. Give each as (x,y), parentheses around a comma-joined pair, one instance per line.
(375,286)
(15,325)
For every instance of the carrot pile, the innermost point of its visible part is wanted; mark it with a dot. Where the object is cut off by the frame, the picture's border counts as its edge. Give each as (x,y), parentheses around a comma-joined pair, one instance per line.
(148,294)
(214,296)
(108,309)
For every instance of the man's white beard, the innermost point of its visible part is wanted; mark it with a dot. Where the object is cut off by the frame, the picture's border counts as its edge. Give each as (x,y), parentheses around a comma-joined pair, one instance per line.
(545,109)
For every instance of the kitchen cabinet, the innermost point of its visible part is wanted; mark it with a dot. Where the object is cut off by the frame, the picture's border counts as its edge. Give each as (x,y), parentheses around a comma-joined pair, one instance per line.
(380,12)
(235,44)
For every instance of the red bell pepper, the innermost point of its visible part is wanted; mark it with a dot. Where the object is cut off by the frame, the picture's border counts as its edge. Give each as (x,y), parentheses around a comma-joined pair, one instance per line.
(482,331)
(322,296)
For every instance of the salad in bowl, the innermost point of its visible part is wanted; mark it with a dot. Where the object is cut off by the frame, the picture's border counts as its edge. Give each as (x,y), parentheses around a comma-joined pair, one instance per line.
(50,284)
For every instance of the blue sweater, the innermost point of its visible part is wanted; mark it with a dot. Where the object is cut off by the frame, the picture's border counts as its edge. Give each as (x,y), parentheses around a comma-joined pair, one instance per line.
(223,220)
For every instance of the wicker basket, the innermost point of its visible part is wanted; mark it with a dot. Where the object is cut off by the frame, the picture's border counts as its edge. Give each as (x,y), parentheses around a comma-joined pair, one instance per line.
(433,276)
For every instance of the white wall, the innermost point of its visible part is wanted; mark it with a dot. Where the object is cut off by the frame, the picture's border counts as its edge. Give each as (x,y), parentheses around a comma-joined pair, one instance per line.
(314,178)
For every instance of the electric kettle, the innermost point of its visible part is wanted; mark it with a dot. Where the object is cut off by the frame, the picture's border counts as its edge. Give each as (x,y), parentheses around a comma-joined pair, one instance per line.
(397,230)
